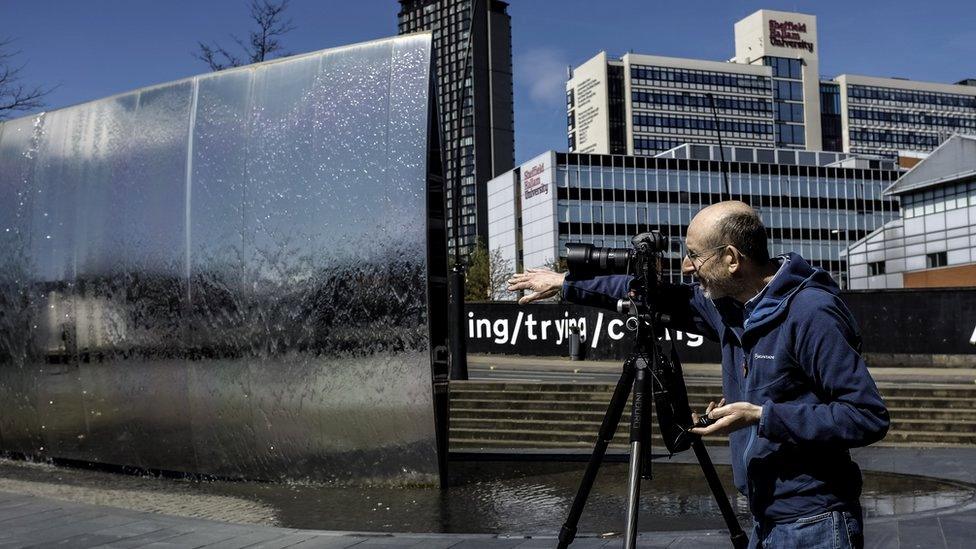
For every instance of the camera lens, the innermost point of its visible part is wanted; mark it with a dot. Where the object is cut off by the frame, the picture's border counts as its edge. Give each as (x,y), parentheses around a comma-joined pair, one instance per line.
(588,259)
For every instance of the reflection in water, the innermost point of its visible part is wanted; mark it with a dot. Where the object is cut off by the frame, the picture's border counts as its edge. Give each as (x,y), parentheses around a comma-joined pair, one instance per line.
(485,497)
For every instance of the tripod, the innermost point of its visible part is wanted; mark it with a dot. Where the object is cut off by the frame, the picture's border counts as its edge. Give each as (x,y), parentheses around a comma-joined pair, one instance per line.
(647,372)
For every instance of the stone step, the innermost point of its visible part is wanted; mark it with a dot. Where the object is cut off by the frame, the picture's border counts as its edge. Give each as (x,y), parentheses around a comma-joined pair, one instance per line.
(520,401)
(555,414)
(934,437)
(570,424)
(576,414)
(957,390)
(952,399)
(548,438)
(481,444)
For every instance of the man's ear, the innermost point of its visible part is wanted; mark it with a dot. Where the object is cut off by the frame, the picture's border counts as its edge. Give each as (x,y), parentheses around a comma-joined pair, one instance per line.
(733,259)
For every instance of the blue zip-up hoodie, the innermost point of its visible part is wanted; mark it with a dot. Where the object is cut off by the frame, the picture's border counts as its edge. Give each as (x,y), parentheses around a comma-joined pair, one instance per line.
(794,350)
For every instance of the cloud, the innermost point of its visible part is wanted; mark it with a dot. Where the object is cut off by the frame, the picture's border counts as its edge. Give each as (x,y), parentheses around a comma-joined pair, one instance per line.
(542,73)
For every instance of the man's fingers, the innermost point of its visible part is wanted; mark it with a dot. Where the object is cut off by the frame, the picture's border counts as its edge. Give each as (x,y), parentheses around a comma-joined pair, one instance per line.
(711,406)
(720,412)
(716,428)
(535,296)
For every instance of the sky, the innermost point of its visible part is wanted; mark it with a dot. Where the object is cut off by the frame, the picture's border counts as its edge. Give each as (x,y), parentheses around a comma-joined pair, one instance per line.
(95,48)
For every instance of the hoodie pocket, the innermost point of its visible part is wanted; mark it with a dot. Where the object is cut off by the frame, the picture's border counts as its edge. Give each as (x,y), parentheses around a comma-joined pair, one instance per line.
(779,388)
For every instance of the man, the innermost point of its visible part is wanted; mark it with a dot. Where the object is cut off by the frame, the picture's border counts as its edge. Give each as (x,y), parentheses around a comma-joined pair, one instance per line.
(796,393)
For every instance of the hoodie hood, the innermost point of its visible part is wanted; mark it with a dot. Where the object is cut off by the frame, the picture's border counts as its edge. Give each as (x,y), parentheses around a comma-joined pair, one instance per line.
(794,275)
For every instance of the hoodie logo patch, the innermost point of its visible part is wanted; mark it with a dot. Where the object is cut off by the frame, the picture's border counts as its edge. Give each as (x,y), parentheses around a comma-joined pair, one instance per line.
(767,357)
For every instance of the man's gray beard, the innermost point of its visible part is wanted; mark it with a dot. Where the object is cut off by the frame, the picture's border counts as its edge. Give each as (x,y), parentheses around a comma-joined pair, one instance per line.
(709,290)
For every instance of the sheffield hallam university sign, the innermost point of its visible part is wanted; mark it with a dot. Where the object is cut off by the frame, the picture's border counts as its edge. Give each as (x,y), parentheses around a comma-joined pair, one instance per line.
(787,34)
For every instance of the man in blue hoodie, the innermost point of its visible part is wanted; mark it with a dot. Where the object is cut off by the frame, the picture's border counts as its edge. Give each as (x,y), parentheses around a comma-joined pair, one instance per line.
(796,393)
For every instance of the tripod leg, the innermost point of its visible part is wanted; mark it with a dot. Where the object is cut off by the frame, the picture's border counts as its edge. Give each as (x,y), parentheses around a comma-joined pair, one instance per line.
(639,416)
(738,537)
(607,429)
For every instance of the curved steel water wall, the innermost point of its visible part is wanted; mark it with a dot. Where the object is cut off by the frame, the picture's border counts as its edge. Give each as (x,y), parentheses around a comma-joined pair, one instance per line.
(226,274)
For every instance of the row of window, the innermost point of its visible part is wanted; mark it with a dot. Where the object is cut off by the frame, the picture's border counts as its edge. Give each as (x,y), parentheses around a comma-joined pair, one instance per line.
(910,96)
(785,68)
(786,90)
(701,102)
(889,138)
(789,134)
(917,118)
(950,197)
(764,162)
(654,214)
(650,146)
(589,182)
(699,124)
(789,112)
(932,261)
(671,77)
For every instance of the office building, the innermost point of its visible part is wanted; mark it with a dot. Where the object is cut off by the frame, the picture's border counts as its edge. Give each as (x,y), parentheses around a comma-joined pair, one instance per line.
(814,203)
(933,243)
(769,94)
(473,55)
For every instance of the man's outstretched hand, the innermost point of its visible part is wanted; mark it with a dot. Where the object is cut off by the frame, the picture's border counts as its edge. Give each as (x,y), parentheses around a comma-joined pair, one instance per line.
(542,282)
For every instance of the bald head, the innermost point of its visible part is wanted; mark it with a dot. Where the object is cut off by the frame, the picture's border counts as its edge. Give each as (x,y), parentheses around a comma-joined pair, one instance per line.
(734,223)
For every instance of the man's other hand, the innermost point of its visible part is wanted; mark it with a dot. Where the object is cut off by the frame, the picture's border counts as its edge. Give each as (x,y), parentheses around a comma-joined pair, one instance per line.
(730,417)
(542,283)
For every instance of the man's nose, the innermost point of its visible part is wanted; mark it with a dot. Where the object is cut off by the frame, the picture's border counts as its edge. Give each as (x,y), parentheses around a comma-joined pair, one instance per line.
(687,266)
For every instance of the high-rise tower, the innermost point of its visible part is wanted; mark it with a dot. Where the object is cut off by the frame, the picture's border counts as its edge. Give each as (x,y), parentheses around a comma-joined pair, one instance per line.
(473,49)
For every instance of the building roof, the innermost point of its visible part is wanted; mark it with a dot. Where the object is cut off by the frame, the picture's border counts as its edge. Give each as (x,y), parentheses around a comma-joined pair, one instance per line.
(953,160)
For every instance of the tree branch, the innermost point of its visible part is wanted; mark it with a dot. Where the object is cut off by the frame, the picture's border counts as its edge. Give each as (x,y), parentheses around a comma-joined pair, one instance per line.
(14,95)
(261,44)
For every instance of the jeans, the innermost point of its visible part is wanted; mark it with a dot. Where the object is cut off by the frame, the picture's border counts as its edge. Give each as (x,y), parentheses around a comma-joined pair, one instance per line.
(830,530)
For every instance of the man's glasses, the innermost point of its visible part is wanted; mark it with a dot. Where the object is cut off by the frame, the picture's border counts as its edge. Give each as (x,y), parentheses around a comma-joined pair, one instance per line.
(695,257)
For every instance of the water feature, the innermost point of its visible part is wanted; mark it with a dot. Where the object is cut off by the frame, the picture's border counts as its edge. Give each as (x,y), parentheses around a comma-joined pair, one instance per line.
(228,274)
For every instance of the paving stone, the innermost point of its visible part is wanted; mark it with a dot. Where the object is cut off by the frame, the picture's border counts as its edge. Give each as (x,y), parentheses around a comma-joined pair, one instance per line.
(21,511)
(60,530)
(881,535)
(289,540)
(959,531)
(487,543)
(28,528)
(144,539)
(81,541)
(201,538)
(578,543)
(920,533)
(327,542)
(250,538)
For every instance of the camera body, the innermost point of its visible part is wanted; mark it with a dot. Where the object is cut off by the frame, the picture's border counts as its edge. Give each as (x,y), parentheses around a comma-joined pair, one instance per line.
(587,260)
(642,261)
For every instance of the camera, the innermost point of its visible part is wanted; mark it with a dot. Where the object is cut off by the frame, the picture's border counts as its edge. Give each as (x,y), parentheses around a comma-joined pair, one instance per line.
(641,260)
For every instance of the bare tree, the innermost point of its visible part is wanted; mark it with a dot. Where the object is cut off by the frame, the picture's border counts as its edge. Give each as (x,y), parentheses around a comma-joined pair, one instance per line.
(15,96)
(262,44)
(499,271)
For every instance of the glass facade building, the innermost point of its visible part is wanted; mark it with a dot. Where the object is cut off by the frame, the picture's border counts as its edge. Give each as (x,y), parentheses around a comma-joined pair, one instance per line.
(887,115)
(473,53)
(769,94)
(815,204)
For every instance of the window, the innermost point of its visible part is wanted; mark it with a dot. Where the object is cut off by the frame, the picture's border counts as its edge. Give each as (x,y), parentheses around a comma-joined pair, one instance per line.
(876,268)
(938,259)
